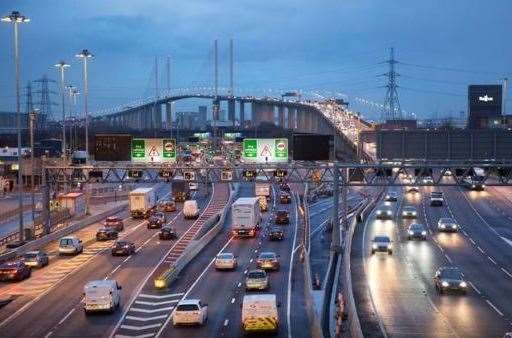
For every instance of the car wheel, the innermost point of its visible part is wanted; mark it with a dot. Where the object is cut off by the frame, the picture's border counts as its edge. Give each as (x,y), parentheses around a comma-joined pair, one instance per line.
(373,252)
(390,252)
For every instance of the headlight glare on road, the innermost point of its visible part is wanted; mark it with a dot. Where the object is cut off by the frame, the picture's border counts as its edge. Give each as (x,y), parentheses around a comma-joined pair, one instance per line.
(445,284)
(463,284)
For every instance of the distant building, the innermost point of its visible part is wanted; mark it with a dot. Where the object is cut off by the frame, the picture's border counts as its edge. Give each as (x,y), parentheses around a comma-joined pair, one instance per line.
(399,124)
(8,122)
(484,106)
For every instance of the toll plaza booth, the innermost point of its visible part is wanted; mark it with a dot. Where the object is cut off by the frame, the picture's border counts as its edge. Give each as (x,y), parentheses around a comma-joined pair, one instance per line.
(75,202)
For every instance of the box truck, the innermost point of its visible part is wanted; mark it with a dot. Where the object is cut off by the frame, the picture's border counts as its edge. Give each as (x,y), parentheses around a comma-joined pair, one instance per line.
(142,201)
(246,217)
(180,191)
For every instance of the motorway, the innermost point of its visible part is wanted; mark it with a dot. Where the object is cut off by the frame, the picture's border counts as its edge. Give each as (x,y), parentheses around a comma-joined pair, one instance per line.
(401,286)
(223,290)
(52,296)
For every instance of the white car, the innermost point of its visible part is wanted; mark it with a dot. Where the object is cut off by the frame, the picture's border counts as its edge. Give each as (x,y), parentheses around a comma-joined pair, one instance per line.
(190,209)
(384,212)
(225,261)
(190,312)
(101,295)
(70,245)
(447,224)
(413,189)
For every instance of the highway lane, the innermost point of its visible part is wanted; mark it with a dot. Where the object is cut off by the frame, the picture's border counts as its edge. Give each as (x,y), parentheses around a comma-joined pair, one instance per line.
(59,311)
(402,289)
(224,291)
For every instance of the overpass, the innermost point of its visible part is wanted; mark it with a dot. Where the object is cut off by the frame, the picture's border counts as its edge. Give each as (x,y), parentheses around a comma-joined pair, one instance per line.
(326,117)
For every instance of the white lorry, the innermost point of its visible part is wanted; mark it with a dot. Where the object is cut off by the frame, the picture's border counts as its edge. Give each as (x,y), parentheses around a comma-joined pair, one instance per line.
(262,188)
(142,201)
(246,217)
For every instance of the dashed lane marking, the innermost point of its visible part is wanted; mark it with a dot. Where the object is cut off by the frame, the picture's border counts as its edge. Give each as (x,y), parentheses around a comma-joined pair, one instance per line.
(494,307)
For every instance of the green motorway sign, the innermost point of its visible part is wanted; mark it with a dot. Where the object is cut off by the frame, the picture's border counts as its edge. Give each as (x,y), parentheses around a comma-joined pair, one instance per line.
(250,148)
(138,148)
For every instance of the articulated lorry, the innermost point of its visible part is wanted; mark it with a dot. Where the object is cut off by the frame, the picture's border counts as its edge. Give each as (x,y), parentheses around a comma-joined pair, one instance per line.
(246,217)
(142,201)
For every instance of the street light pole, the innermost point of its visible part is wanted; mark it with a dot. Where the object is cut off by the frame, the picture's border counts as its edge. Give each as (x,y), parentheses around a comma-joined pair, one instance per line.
(62,66)
(32,116)
(16,18)
(85,55)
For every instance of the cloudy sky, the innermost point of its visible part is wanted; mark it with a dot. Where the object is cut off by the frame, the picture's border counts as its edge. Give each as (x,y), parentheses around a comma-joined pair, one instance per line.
(324,46)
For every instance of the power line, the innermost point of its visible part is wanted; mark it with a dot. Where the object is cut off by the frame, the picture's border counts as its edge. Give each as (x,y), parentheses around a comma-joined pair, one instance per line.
(450,69)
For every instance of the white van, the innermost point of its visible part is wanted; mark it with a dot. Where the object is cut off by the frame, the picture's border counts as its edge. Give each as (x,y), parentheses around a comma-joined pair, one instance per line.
(190,209)
(70,245)
(259,314)
(101,295)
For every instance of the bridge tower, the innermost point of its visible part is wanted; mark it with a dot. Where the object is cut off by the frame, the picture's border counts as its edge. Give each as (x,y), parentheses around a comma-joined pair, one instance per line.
(392,110)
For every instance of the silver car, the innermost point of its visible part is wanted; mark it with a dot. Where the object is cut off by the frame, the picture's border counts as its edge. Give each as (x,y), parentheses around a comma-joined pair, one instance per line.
(447,224)
(384,212)
(417,231)
(382,243)
(409,212)
(225,261)
(256,280)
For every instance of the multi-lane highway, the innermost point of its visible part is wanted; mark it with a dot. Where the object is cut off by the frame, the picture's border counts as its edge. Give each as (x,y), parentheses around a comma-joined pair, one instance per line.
(401,285)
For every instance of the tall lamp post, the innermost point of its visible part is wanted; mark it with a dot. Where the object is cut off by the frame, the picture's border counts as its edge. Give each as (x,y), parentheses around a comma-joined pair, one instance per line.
(32,119)
(85,55)
(61,66)
(72,92)
(15,18)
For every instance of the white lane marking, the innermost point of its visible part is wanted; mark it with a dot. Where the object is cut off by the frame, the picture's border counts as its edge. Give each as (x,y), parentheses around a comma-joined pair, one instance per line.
(250,260)
(146,335)
(480,249)
(440,248)
(127,259)
(448,258)
(116,268)
(494,307)
(232,300)
(138,249)
(245,272)
(145,319)
(134,309)
(142,302)
(492,260)
(66,316)
(506,271)
(472,241)
(194,285)
(239,284)
(140,328)
(226,322)
(48,334)
(474,288)
(290,270)
(144,295)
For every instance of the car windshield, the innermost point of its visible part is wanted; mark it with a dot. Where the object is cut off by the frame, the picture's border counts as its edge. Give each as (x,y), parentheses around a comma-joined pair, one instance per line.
(436,194)
(120,243)
(187,307)
(9,265)
(66,241)
(451,274)
(417,227)
(267,255)
(225,256)
(447,220)
(381,239)
(256,274)
(281,213)
(112,219)
(409,208)
(275,230)
(30,255)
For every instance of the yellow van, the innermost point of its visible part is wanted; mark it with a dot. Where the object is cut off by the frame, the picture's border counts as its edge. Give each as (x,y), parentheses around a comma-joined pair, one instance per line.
(259,313)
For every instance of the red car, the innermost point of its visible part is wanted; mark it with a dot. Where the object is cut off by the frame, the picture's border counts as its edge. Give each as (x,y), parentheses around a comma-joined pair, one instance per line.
(14,271)
(114,222)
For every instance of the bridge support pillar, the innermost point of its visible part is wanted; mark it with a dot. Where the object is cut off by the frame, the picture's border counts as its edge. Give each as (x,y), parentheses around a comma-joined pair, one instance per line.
(280,116)
(231,111)
(292,118)
(242,114)
(301,117)
(168,115)
(157,116)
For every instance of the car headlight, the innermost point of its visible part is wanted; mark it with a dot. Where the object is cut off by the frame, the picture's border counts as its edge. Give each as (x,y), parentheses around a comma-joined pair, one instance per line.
(414,213)
(463,284)
(445,284)
(454,226)
(379,212)
(424,233)
(390,246)
(473,186)
(389,213)
(375,246)
(411,232)
(442,226)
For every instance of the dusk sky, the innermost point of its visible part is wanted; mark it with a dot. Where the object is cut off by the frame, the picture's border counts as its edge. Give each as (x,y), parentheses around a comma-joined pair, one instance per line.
(326,47)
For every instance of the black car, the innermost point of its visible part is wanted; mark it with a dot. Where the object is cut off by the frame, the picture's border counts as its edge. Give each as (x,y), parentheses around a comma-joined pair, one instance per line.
(105,234)
(36,259)
(123,248)
(284,187)
(282,217)
(391,196)
(276,234)
(285,198)
(156,220)
(14,271)
(449,278)
(167,232)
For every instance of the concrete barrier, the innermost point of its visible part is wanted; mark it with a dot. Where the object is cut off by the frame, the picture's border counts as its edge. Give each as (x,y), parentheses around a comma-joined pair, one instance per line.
(39,243)
(194,248)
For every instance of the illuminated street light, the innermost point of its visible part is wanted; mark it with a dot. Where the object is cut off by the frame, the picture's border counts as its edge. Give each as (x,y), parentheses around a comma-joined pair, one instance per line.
(62,66)
(85,55)
(15,18)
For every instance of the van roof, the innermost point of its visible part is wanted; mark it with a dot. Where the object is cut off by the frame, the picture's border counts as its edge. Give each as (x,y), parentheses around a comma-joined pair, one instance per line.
(69,237)
(104,283)
(141,190)
(259,298)
(189,302)
(246,200)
